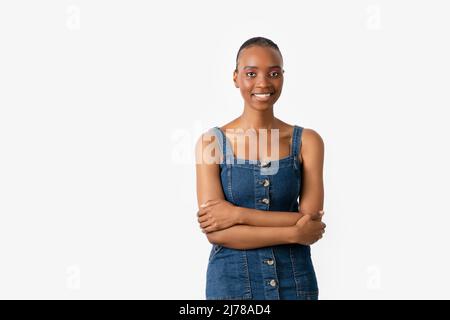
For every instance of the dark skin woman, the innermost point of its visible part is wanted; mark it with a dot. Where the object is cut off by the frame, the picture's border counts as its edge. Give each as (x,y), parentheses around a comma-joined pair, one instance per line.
(259,77)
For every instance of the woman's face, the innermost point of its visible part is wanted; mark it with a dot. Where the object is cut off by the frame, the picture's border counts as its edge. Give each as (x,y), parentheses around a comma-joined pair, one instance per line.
(259,76)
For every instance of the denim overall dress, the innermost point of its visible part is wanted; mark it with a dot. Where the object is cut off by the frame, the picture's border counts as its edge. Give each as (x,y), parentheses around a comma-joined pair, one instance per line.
(267,273)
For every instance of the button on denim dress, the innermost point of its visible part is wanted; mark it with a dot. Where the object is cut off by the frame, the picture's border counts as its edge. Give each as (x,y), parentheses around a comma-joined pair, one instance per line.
(267,273)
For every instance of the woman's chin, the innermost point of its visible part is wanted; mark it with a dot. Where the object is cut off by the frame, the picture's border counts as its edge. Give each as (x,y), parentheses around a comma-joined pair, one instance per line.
(261,106)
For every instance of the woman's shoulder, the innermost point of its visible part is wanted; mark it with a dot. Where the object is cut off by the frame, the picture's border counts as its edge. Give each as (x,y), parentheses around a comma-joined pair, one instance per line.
(312,144)
(207,148)
(311,137)
(311,140)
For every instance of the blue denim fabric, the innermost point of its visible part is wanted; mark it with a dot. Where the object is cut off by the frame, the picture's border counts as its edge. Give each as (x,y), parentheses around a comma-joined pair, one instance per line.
(269,273)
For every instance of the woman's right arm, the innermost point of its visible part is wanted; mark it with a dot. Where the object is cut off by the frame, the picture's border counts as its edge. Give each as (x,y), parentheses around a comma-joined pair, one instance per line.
(250,237)
(209,187)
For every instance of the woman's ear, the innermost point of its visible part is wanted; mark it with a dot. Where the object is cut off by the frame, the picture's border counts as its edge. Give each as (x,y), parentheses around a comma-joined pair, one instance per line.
(235,79)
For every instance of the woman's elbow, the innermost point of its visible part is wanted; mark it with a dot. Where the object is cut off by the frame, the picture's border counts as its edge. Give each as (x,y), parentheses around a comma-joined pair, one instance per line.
(214,237)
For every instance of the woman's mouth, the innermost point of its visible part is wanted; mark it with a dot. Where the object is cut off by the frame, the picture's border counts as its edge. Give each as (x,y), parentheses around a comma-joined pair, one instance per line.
(262,96)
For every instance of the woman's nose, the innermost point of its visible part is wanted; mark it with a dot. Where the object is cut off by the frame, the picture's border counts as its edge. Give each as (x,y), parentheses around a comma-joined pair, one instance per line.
(262,81)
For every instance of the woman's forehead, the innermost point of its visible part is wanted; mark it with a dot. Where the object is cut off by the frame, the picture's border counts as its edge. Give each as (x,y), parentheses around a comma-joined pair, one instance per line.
(260,57)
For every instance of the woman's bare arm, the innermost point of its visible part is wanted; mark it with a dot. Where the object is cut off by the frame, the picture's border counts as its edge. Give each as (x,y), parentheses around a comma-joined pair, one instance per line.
(261,218)
(218,214)
(249,237)
(312,152)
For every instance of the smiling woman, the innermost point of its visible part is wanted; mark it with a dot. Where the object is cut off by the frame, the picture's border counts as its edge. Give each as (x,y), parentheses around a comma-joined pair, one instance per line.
(261,222)
(247,57)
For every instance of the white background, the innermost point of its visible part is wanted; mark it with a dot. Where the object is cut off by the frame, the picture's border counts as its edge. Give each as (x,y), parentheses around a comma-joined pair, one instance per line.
(101,103)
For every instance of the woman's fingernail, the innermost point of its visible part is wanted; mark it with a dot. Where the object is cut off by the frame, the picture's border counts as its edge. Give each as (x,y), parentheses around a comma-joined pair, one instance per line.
(203,205)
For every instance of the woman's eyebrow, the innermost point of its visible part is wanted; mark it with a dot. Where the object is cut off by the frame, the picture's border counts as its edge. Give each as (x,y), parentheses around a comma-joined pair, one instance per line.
(254,67)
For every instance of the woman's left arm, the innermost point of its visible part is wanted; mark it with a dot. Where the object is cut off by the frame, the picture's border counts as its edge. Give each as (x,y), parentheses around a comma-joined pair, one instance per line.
(312,191)
(220,214)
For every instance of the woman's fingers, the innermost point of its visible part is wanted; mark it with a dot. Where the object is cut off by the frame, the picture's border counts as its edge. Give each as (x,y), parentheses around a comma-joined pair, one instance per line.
(202,211)
(206,207)
(211,228)
(205,224)
(203,218)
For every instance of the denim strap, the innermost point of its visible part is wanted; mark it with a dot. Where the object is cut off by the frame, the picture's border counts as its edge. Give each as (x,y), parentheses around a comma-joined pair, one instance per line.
(224,144)
(296,140)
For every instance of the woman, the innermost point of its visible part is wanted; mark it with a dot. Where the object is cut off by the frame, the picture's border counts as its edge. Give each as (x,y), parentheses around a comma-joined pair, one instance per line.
(249,210)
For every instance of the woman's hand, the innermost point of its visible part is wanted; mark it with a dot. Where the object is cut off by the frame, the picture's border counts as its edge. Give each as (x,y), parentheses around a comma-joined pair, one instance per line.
(309,229)
(216,215)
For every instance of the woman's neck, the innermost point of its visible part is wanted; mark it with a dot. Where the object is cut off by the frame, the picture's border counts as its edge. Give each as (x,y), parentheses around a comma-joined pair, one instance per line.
(254,119)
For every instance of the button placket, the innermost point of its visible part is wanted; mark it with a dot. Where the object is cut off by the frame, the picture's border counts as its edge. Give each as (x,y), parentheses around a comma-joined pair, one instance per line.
(265,164)
(269,273)
(262,190)
(265,183)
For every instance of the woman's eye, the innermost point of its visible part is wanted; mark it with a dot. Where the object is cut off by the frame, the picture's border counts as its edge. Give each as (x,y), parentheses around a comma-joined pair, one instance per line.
(250,74)
(274,74)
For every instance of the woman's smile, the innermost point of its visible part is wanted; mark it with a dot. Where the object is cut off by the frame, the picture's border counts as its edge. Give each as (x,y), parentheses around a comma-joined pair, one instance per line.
(263,97)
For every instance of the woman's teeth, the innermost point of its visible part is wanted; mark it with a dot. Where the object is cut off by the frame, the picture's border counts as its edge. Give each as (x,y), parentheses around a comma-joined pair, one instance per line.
(263,97)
